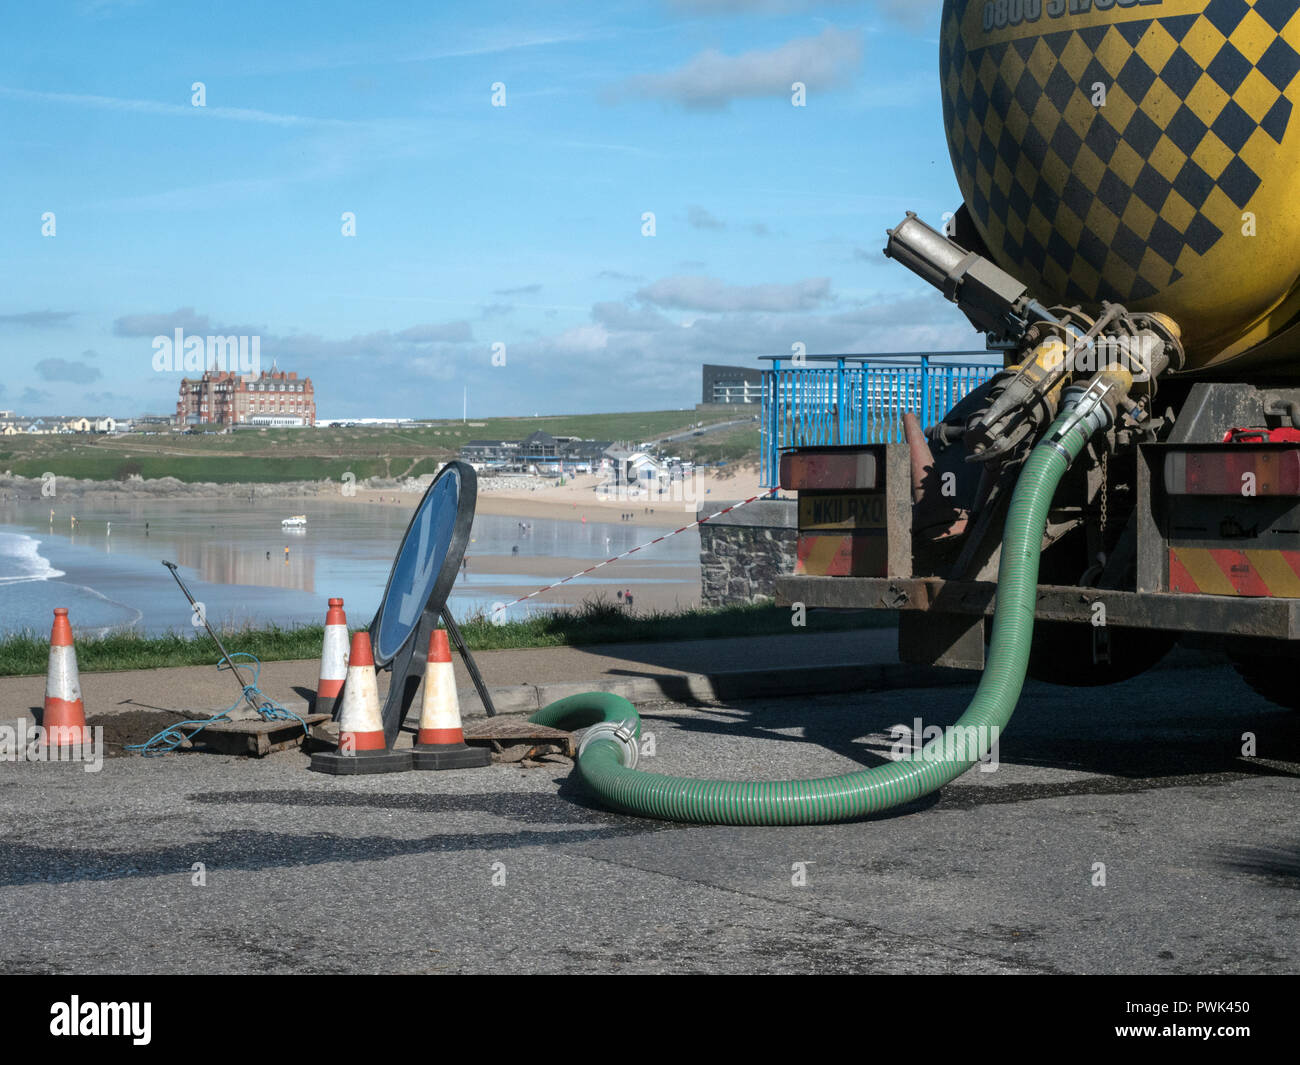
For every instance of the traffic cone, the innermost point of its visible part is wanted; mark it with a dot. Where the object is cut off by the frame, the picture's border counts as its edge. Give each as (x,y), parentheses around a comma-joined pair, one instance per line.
(440,743)
(363,747)
(333,659)
(64,717)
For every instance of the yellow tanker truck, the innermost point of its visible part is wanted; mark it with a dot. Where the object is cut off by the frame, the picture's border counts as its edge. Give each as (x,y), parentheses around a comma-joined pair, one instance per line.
(1131,477)
(1129,242)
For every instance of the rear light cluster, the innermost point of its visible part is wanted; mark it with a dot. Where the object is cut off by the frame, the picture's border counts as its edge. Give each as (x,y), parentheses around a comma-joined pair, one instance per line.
(1242,470)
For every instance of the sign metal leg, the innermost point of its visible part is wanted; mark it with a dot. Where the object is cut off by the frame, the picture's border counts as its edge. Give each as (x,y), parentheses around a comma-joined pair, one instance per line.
(453,630)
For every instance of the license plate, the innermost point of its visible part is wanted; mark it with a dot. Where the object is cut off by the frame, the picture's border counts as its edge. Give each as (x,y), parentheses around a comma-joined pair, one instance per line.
(857,510)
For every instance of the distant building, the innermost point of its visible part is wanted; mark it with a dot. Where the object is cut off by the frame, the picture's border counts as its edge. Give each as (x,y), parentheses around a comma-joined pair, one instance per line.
(225,398)
(732,384)
(153,422)
(539,447)
(490,452)
(586,452)
(275,421)
(536,449)
(636,468)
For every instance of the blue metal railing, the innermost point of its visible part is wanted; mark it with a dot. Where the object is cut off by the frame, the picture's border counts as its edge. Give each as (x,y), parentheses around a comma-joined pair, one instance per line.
(859,399)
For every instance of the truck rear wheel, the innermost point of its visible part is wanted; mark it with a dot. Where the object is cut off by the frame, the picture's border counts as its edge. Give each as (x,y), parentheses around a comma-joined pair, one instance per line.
(1063,653)
(1276,679)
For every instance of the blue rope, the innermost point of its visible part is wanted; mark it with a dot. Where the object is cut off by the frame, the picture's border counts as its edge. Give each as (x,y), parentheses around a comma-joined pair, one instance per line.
(172,737)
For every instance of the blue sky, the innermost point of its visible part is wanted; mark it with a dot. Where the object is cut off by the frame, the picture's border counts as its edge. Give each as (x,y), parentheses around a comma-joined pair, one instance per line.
(475,225)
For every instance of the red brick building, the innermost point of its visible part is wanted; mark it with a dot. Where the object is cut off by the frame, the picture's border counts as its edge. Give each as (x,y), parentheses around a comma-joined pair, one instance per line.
(272,398)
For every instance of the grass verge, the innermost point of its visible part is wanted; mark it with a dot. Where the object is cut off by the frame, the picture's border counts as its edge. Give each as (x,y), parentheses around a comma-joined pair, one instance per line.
(593,621)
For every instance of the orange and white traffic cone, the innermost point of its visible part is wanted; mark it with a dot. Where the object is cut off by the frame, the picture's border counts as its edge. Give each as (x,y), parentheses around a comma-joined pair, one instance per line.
(333,659)
(440,743)
(64,717)
(363,748)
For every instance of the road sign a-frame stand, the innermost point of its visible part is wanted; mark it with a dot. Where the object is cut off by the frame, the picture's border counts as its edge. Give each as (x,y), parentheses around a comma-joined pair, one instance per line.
(408,671)
(424,571)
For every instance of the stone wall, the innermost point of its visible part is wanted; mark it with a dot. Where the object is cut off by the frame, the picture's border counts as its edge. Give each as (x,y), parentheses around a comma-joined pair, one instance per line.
(742,553)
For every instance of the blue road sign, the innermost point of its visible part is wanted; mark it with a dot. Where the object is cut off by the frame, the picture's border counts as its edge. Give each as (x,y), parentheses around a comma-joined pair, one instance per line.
(427,560)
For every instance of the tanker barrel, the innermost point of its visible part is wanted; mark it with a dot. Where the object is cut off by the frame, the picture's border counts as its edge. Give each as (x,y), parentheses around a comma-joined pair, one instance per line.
(992,299)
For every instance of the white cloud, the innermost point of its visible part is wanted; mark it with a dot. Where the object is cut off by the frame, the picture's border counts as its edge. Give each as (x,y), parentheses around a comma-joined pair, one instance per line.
(913,14)
(698,218)
(909,13)
(711,80)
(443,333)
(691,293)
(656,362)
(184,318)
(67,370)
(636,350)
(37,319)
(619,317)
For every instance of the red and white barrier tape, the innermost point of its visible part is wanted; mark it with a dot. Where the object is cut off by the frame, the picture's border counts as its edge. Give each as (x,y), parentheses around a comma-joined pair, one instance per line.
(625,554)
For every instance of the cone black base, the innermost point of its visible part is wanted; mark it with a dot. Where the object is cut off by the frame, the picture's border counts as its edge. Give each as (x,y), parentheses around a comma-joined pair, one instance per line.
(362,763)
(451,756)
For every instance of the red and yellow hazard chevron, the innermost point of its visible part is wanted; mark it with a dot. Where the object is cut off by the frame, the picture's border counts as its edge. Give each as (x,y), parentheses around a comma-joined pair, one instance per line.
(1223,571)
(864,555)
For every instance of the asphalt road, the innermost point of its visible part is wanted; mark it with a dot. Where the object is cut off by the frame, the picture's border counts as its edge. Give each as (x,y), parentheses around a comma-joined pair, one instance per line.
(512,870)
(716,427)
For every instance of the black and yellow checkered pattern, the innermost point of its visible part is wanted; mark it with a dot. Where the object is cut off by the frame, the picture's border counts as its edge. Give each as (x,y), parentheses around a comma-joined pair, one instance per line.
(1117,202)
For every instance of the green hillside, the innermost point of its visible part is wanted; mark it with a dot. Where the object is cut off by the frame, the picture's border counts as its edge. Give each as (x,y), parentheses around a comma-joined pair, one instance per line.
(271,455)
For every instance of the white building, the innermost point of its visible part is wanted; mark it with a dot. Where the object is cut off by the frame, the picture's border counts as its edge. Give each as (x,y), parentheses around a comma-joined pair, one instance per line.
(277,421)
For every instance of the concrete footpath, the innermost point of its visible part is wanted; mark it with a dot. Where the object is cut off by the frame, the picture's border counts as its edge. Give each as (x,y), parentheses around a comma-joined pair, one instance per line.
(525,680)
(1122,830)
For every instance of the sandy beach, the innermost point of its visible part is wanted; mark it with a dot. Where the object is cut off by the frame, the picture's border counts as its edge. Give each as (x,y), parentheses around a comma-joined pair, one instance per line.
(587,496)
(654,586)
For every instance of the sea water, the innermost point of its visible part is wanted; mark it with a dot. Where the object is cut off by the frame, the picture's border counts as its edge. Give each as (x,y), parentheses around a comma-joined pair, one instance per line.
(232,554)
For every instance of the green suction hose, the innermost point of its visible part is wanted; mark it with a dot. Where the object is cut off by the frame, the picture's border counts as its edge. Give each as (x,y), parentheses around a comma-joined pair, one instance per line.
(608,754)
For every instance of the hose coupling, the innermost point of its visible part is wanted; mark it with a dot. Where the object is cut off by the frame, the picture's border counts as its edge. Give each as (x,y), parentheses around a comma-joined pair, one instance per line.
(622,733)
(1090,409)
